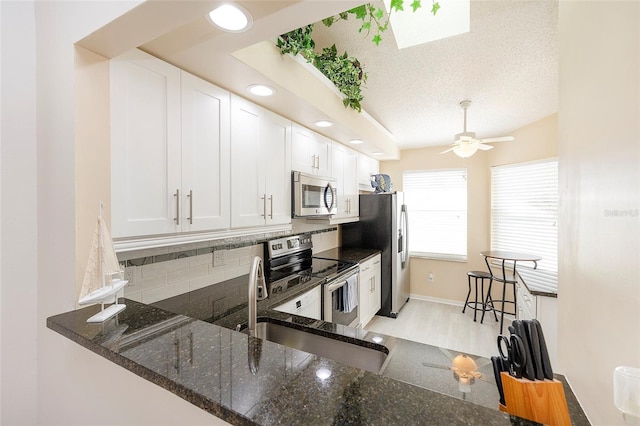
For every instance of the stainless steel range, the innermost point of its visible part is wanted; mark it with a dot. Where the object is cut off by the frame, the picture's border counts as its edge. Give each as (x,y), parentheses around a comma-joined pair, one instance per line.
(289,262)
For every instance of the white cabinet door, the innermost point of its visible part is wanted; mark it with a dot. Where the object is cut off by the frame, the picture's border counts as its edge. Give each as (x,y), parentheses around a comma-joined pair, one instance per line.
(338,155)
(344,170)
(275,133)
(145,145)
(307,305)
(260,166)
(350,183)
(311,152)
(370,276)
(248,199)
(367,166)
(205,156)
(375,301)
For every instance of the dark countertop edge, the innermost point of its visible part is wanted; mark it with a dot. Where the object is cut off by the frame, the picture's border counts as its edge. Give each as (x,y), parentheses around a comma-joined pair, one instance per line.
(172,386)
(358,255)
(535,292)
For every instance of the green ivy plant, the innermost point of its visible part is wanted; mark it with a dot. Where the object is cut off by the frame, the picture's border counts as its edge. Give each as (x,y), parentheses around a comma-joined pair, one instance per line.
(343,71)
(373,17)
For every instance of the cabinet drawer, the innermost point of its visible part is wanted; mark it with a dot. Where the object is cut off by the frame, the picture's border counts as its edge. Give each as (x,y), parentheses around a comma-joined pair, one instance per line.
(526,301)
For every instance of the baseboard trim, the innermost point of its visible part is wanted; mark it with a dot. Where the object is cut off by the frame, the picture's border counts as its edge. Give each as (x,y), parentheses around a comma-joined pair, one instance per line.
(436,300)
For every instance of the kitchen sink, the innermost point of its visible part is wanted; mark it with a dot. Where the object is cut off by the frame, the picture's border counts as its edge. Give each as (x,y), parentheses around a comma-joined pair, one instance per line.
(350,353)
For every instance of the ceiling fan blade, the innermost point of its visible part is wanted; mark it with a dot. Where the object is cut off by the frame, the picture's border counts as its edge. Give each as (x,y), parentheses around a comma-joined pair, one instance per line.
(448,150)
(500,139)
(484,147)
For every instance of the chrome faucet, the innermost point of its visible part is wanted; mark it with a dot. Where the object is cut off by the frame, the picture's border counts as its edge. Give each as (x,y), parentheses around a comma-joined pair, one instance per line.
(257,291)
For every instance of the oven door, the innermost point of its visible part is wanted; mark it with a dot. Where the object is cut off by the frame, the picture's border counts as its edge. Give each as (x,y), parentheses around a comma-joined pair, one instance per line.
(340,300)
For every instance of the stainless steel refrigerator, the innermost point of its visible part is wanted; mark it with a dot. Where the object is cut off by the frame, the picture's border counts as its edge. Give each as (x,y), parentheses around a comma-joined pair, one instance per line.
(384,225)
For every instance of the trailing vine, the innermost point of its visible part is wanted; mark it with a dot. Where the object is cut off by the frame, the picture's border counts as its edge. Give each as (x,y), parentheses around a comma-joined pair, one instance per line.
(345,72)
(374,18)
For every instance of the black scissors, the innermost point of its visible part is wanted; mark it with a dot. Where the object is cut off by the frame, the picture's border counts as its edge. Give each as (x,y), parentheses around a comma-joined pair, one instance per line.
(516,356)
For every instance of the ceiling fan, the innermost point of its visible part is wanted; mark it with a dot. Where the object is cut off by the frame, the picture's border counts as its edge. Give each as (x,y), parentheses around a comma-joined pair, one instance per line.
(466,143)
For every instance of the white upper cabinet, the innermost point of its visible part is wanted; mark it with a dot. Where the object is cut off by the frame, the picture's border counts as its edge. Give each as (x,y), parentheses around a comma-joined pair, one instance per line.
(311,152)
(145,145)
(260,166)
(344,166)
(367,166)
(169,149)
(205,156)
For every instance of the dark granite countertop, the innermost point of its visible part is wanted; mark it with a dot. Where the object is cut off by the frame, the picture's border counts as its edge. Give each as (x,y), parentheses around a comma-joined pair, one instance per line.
(187,345)
(348,254)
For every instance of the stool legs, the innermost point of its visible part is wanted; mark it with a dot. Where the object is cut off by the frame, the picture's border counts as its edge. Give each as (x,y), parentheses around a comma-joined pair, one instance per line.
(468,294)
(489,300)
(483,301)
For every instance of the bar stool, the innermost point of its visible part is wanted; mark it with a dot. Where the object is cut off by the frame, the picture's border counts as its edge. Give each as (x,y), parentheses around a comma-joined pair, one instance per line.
(486,304)
(505,280)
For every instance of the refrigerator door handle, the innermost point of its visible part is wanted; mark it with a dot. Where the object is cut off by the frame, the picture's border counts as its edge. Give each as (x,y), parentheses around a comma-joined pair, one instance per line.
(404,223)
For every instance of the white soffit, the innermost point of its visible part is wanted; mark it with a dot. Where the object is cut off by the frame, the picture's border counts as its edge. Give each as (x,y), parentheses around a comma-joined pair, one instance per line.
(413,28)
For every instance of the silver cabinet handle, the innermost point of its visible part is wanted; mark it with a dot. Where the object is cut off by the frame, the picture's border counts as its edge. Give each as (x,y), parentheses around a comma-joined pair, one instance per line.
(264,205)
(318,161)
(313,161)
(190,196)
(271,201)
(177,218)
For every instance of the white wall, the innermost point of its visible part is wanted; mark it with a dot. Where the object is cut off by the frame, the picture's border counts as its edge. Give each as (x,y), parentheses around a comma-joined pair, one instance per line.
(46,378)
(18,225)
(599,164)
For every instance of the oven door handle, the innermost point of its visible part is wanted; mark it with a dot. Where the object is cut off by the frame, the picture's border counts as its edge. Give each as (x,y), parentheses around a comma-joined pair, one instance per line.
(333,287)
(338,282)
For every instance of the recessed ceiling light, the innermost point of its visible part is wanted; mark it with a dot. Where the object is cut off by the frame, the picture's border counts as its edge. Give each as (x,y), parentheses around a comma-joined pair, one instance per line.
(377,339)
(231,17)
(376,153)
(324,123)
(355,141)
(261,90)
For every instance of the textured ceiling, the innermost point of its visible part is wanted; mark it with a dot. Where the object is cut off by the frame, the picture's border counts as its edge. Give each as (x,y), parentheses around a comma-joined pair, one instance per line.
(507,65)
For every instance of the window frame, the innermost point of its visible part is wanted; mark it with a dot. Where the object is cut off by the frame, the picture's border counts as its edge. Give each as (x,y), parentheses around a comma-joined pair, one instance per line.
(462,253)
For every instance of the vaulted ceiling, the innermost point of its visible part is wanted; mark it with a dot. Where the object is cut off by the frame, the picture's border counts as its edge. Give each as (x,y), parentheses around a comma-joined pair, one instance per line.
(507,65)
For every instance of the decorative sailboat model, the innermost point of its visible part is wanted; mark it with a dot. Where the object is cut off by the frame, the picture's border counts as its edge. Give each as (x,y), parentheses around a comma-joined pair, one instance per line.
(104,277)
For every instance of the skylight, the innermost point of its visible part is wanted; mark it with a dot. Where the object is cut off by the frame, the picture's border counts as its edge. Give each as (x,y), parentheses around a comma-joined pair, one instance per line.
(413,28)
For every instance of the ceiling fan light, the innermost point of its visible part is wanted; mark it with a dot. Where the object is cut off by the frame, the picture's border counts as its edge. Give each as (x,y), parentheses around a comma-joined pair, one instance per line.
(465,150)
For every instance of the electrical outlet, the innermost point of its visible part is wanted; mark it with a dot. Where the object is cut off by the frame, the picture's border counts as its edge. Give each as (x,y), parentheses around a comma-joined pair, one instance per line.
(430,277)
(218,258)
(130,275)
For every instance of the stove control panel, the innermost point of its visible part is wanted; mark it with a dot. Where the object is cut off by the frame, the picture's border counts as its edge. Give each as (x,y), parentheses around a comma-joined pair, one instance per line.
(289,245)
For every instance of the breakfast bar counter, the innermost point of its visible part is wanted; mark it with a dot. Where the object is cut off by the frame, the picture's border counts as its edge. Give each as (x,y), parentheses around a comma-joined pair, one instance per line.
(245,380)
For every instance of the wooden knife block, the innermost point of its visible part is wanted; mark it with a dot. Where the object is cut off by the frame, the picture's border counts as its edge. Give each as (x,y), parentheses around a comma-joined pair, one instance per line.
(542,401)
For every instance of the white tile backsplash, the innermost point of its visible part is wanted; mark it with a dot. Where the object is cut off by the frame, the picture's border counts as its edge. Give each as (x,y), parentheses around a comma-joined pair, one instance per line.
(161,280)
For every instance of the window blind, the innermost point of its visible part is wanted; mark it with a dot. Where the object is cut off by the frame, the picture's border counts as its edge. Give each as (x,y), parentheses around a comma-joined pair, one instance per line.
(524,215)
(437,206)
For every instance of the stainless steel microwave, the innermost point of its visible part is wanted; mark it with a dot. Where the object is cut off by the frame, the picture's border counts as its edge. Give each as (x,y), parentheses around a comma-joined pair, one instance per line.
(312,195)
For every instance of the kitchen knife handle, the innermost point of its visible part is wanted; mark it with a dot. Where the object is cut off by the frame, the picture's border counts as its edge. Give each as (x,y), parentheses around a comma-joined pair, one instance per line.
(528,370)
(536,359)
(496,361)
(544,353)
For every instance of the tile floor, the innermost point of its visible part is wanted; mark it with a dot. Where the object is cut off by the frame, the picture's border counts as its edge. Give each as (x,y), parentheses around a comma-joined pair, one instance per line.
(442,325)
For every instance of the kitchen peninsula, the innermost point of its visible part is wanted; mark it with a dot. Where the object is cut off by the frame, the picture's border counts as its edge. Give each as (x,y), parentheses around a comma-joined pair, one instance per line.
(245,380)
